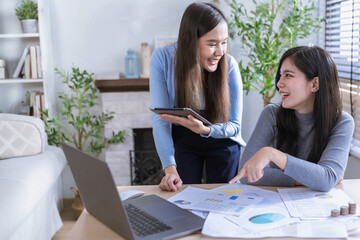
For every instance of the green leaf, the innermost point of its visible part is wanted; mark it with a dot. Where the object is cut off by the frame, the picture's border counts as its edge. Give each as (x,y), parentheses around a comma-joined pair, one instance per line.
(264,41)
(27,10)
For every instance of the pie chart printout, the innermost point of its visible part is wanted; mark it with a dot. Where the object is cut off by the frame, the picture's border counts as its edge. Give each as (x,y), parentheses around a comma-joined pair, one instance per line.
(266,218)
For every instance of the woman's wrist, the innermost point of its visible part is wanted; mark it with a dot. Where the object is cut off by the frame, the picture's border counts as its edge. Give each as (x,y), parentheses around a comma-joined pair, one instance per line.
(206,130)
(278,157)
(170,170)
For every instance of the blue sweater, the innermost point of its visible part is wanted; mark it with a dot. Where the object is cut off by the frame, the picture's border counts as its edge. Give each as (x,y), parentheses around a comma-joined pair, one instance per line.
(162,91)
(321,176)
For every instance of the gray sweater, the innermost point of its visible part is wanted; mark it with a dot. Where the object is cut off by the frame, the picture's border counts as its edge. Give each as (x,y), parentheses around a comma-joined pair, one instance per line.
(321,176)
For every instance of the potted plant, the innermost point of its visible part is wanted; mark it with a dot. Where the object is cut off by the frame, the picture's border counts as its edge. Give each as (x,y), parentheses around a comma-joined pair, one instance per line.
(79,124)
(27,13)
(265,42)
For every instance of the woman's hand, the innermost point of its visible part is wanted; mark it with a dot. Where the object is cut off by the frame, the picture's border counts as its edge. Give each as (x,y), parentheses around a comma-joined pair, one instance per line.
(189,122)
(254,167)
(171,181)
(341,179)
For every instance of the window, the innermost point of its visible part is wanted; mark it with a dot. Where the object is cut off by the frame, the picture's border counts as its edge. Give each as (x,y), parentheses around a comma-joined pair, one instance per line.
(342,41)
(351,94)
(342,36)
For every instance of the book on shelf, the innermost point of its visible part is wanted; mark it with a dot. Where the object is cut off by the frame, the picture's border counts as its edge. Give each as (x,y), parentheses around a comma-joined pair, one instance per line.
(21,63)
(3,69)
(38,61)
(37,103)
(29,65)
(42,105)
(33,64)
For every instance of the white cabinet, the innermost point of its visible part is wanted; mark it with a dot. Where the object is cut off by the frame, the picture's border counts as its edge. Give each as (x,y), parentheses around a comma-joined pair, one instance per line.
(12,44)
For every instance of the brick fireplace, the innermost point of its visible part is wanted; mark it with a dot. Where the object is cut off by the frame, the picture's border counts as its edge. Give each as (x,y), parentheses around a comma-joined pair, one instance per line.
(131,104)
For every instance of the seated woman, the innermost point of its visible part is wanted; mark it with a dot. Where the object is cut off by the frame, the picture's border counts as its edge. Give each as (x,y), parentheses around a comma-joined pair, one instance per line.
(305,140)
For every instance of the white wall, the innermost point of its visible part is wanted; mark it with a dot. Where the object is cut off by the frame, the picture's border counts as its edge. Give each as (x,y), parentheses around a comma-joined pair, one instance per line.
(95,35)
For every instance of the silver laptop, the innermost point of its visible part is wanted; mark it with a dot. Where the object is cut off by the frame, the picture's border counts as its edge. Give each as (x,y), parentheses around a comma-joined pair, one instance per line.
(101,200)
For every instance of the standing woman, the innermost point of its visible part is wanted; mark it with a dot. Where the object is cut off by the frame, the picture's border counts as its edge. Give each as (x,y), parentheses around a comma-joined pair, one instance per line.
(197,73)
(306,140)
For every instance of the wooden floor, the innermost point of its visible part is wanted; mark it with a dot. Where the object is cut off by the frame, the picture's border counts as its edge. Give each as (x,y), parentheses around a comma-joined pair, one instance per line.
(68,219)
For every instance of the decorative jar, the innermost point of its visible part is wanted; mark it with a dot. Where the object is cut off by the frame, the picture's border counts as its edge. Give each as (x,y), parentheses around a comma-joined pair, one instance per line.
(131,66)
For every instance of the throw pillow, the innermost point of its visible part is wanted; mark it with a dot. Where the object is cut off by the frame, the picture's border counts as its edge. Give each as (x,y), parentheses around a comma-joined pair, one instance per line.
(19,136)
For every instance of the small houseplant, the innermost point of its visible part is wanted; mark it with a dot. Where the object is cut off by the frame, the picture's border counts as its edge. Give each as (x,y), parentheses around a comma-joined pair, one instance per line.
(265,40)
(27,13)
(82,127)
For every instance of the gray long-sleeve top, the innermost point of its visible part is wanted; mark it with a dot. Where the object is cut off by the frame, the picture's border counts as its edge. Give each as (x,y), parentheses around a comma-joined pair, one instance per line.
(321,176)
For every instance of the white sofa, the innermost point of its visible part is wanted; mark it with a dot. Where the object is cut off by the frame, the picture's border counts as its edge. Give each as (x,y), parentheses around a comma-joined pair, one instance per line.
(30,180)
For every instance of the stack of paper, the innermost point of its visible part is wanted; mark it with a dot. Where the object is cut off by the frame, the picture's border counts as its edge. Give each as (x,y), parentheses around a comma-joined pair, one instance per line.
(237,210)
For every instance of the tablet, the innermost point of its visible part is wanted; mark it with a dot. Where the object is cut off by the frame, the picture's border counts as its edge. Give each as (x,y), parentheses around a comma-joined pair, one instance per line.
(182,112)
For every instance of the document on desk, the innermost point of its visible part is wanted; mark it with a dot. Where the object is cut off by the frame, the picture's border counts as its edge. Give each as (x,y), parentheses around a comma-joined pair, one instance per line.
(207,200)
(217,225)
(306,203)
(269,197)
(268,214)
(268,218)
(238,188)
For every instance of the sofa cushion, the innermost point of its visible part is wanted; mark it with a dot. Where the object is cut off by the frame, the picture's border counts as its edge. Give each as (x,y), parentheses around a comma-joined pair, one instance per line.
(24,181)
(20,136)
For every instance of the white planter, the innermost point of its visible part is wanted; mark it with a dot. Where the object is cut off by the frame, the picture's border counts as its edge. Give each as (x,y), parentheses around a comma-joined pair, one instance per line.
(29,25)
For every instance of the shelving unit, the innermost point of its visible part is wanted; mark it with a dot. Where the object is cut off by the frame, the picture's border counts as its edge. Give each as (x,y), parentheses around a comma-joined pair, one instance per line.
(20,80)
(12,45)
(20,35)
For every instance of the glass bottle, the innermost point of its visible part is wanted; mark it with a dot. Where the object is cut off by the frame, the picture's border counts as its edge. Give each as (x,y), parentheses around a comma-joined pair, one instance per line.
(131,66)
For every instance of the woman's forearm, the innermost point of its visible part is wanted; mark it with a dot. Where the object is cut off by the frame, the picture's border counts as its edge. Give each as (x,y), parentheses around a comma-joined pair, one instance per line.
(277,157)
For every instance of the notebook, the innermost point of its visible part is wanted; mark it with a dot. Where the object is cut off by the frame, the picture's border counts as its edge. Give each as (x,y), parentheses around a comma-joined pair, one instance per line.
(101,200)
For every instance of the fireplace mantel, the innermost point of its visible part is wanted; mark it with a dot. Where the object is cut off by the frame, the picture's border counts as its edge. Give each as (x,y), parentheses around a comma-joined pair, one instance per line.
(123,85)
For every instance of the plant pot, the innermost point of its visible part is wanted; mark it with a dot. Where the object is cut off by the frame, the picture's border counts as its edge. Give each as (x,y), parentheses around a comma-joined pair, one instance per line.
(29,25)
(77,205)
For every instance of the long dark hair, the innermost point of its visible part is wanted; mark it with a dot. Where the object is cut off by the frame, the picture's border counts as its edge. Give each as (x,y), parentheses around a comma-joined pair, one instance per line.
(198,19)
(313,62)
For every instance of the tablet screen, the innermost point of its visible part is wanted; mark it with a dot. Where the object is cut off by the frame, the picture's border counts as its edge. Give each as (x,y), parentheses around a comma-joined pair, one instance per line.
(182,112)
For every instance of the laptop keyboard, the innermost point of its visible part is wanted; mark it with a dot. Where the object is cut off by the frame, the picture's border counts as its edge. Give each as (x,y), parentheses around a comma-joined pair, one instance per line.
(144,224)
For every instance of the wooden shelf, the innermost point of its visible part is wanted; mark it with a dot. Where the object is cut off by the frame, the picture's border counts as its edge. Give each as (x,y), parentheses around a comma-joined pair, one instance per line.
(123,85)
(20,80)
(20,35)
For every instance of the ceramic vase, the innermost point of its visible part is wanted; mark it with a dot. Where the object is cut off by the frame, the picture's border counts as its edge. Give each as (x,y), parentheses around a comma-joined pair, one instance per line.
(145,60)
